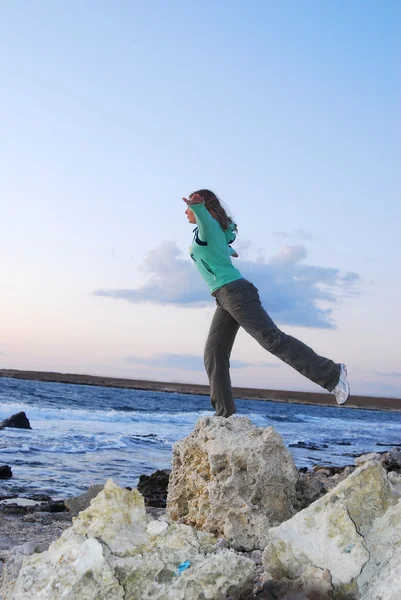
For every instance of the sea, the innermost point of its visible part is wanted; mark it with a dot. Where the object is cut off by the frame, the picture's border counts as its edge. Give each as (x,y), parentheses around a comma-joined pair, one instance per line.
(84,434)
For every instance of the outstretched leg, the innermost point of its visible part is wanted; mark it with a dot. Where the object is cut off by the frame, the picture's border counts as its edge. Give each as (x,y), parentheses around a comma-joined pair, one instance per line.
(218,348)
(241,300)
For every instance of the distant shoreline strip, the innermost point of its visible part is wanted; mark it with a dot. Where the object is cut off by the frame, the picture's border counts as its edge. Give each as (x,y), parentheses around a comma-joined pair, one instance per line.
(321,399)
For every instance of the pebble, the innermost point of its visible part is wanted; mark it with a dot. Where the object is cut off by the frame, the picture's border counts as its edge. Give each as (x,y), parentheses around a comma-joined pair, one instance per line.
(157,527)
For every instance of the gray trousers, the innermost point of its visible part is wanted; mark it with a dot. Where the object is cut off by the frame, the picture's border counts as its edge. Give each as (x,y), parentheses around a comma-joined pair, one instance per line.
(238,305)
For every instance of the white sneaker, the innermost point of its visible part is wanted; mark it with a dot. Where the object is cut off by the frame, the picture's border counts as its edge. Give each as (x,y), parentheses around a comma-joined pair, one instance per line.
(342,389)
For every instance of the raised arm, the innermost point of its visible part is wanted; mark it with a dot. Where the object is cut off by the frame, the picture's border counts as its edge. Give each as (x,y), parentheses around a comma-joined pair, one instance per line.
(204,219)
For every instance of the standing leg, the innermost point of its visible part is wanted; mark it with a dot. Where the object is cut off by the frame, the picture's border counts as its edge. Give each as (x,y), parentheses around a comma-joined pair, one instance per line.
(217,361)
(241,300)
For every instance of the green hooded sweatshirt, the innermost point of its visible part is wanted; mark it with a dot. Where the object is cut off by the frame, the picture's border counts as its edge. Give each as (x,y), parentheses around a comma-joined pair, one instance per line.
(211,250)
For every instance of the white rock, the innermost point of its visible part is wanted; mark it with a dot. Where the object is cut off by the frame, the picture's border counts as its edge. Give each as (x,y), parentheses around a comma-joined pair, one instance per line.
(333,532)
(383,542)
(14,562)
(87,562)
(73,567)
(118,517)
(361,460)
(157,527)
(233,479)
(395,479)
(386,582)
(208,577)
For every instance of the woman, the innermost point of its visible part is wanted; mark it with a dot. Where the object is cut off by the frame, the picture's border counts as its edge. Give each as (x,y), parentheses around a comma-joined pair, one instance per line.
(238,305)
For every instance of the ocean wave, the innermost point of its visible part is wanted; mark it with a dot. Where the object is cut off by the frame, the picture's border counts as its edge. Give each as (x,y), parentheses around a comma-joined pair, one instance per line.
(35,413)
(12,449)
(284,418)
(126,408)
(66,446)
(151,439)
(80,448)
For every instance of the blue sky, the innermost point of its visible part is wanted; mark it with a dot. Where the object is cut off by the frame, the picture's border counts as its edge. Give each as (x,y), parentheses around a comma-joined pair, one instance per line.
(111,112)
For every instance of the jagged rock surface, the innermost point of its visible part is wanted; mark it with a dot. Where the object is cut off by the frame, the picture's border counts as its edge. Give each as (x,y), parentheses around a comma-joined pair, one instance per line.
(14,563)
(386,582)
(384,544)
(233,479)
(346,532)
(111,551)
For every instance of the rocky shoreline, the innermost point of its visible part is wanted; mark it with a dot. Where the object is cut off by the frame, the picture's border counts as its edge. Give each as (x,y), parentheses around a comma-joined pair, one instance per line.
(29,525)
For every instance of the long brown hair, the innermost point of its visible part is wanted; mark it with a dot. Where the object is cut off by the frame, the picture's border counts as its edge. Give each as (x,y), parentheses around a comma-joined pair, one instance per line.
(214,206)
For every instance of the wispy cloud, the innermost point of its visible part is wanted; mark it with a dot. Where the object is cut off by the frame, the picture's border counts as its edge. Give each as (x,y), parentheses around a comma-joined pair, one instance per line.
(388,374)
(290,289)
(299,234)
(172,280)
(188,362)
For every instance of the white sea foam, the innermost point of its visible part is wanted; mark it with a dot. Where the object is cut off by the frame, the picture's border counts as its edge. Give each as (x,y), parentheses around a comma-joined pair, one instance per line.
(35,413)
